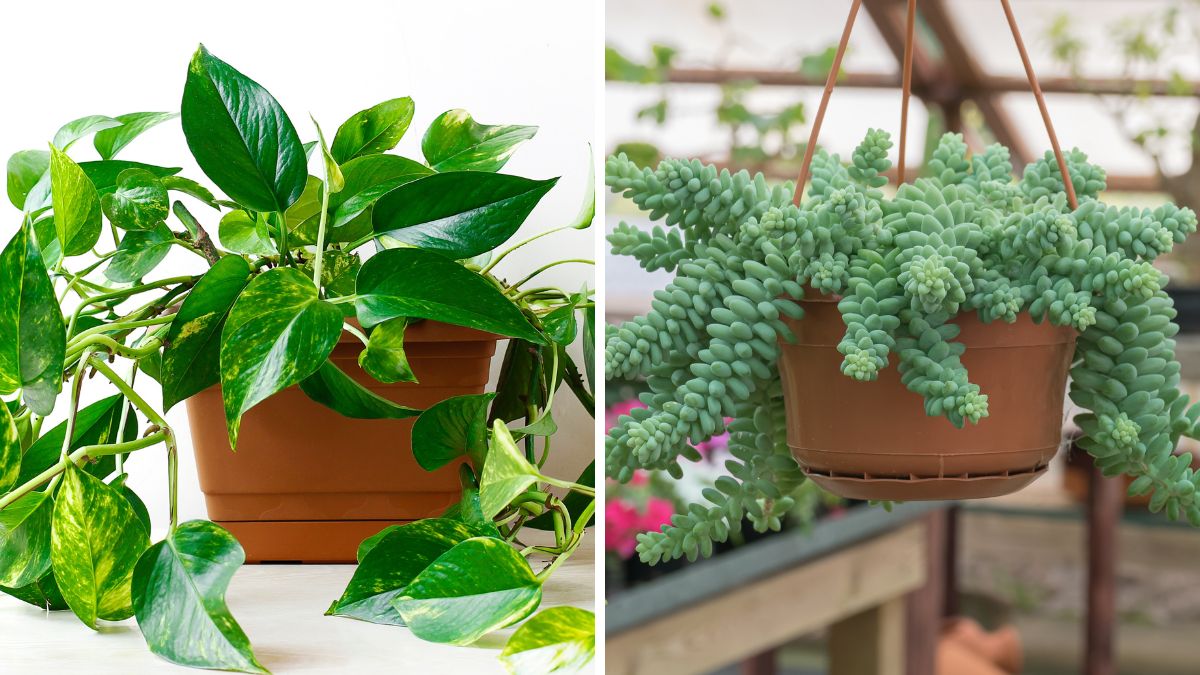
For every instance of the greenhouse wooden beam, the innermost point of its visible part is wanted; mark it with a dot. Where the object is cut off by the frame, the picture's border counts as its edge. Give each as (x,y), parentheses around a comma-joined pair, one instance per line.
(990,83)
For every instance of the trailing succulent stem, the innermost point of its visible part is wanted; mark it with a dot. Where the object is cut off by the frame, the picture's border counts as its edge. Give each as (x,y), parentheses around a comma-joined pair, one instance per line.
(965,238)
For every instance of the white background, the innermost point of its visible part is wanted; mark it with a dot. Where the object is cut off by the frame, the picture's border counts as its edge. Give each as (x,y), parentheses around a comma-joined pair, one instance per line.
(507,63)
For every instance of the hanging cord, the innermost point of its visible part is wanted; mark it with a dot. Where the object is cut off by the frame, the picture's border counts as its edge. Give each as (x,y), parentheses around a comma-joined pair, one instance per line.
(906,86)
(829,82)
(1041,101)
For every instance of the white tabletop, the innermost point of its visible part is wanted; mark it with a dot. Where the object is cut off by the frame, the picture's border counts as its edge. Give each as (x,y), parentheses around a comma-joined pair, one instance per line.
(281,608)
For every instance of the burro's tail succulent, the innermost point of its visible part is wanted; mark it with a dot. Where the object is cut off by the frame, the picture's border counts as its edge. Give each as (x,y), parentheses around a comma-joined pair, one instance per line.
(967,238)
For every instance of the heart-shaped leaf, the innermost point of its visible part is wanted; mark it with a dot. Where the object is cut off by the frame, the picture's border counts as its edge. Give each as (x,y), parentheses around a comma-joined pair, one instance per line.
(391,562)
(372,131)
(303,218)
(560,324)
(419,284)
(456,142)
(367,179)
(110,141)
(334,389)
(10,450)
(25,539)
(241,137)
(140,201)
(139,253)
(555,640)
(459,214)
(384,357)
(34,348)
(95,424)
(77,129)
(105,173)
(95,542)
(506,472)
(191,359)
(338,272)
(25,169)
(476,587)
(278,333)
(76,205)
(43,593)
(469,511)
(450,429)
(179,599)
(241,232)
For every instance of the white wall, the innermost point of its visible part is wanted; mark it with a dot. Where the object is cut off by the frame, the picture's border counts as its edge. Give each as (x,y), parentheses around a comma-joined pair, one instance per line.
(532,62)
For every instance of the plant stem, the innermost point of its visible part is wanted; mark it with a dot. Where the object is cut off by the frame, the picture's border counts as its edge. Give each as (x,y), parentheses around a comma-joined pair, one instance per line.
(87,451)
(124,293)
(362,337)
(576,539)
(134,397)
(519,244)
(73,407)
(120,326)
(568,485)
(105,342)
(125,418)
(543,268)
(321,233)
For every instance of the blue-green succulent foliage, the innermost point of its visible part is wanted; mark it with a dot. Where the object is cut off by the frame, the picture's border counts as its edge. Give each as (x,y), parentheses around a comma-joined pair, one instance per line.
(967,238)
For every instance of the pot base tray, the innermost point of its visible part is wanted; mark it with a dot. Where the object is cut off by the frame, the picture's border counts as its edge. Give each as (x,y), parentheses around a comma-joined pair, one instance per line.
(304,541)
(924,489)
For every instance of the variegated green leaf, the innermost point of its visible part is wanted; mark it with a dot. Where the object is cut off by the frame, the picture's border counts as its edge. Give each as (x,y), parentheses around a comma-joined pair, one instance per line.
(506,472)
(25,169)
(555,640)
(34,348)
(384,357)
(278,333)
(43,594)
(139,253)
(332,387)
(10,450)
(242,232)
(110,141)
(74,130)
(191,359)
(374,130)
(25,539)
(140,201)
(456,142)
(478,586)
(76,205)
(391,562)
(451,429)
(95,542)
(179,599)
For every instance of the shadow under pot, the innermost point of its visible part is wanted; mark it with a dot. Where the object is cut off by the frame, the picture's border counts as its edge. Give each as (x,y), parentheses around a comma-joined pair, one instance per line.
(873,440)
(307,484)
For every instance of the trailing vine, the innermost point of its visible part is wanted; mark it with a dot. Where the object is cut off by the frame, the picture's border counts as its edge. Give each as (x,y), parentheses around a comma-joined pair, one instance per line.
(966,238)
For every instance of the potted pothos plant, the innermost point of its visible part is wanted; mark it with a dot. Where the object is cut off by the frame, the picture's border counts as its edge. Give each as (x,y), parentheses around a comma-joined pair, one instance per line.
(783,318)
(314,292)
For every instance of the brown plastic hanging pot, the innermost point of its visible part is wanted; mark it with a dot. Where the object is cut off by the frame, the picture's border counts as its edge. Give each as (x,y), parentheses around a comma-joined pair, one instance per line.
(873,440)
(307,484)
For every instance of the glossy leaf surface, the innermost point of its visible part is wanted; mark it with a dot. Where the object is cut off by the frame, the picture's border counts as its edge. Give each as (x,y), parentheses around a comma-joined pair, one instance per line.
(179,599)
(459,214)
(242,232)
(456,142)
(450,429)
(76,205)
(74,130)
(43,594)
(506,472)
(10,450)
(241,137)
(384,358)
(333,388)
(95,541)
(416,283)
(278,333)
(32,355)
(139,202)
(555,640)
(372,131)
(367,179)
(25,169)
(478,586)
(139,253)
(112,140)
(25,539)
(394,560)
(191,359)
(105,173)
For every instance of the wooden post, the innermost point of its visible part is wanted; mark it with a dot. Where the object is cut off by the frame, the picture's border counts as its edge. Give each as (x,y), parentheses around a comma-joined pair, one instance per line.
(761,664)
(871,641)
(1105,502)
(925,605)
